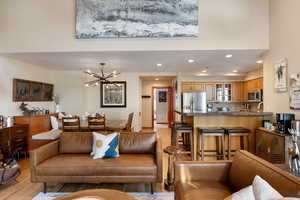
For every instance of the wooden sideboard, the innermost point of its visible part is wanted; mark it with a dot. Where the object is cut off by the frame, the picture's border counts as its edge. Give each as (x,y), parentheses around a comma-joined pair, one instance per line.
(37,124)
(272,146)
(13,140)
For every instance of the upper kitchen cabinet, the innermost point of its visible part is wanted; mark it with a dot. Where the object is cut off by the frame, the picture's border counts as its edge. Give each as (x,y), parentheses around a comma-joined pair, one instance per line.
(193,87)
(237,91)
(255,84)
(223,92)
(210,89)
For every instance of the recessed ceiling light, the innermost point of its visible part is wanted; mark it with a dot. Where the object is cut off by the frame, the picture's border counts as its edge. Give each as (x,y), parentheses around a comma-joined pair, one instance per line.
(204,71)
(158,64)
(259,61)
(191,60)
(235,71)
(228,56)
(157,79)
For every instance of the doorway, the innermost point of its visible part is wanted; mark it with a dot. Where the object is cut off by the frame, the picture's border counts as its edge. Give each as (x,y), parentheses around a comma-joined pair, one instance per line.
(162,107)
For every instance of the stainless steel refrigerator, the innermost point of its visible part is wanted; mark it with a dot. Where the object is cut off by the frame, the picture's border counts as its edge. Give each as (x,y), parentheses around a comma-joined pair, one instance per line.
(194,102)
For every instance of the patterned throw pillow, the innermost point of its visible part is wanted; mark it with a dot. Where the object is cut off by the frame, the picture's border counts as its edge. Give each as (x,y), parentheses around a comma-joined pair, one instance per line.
(105,146)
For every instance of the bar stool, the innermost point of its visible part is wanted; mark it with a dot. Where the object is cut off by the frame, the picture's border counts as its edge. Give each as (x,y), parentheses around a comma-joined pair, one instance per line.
(217,132)
(183,133)
(237,132)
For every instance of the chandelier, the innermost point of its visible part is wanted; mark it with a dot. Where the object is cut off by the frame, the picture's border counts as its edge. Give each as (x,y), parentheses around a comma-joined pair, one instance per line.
(100,77)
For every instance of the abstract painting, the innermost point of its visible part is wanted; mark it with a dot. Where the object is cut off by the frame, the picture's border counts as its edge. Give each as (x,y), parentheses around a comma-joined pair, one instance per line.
(136,18)
(113,94)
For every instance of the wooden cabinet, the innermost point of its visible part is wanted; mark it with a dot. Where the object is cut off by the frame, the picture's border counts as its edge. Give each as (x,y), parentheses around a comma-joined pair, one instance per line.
(255,84)
(13,140)
(271,146)
(210,89)
(193,87)
(37,124)
(224,91)
(237,91)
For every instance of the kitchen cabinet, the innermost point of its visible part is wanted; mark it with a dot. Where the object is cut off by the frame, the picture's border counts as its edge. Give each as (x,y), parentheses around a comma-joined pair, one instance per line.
(193,87)
(210,89)
(271,146)
(237,91)
(223,92)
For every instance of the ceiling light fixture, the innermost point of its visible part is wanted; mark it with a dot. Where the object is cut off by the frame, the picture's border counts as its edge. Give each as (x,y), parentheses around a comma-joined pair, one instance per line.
(158,64)
(100,76)
(202,74)
(235,71)
(259,61)
(228,56)
(191,60)
(157,79)
(204,71)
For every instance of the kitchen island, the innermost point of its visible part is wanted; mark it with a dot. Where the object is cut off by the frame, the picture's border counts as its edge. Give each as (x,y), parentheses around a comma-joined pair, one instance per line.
(249,120)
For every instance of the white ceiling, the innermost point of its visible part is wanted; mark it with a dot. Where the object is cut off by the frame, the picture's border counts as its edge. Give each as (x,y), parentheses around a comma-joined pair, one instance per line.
(145,61)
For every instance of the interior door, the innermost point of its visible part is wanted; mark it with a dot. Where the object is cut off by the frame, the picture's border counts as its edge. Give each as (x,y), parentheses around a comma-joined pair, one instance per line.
(162,105)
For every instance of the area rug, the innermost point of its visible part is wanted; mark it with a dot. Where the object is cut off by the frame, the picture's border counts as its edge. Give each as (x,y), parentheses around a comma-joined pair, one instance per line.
(138,196)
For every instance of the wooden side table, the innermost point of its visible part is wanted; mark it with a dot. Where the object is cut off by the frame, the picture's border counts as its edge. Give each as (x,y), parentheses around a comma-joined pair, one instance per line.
(100,194)
(172,151)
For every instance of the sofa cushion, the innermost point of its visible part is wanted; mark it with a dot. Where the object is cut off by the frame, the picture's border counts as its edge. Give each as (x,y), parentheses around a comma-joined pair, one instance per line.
(246,166)
(208,190)
(138,143)
(84,165)
(76,142)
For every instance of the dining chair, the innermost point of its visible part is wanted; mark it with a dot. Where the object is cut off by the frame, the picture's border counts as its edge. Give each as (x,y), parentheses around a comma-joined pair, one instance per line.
(71,124)
(96,123)
(128,125)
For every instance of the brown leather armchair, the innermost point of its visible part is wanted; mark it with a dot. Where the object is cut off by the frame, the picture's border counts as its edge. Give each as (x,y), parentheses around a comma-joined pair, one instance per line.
(68,161)
(215,180)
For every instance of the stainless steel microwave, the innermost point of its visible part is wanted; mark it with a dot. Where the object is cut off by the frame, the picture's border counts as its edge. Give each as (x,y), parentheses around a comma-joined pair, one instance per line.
(255,96)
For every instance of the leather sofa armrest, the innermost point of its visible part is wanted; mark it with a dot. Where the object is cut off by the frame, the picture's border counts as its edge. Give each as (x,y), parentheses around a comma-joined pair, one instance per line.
(43,153)
(159,160)
(186,171)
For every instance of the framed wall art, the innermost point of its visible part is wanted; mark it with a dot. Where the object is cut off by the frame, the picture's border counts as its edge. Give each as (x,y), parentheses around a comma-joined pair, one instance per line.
(281,75)
(136,19)
(295,91)
(25,90)
(113,94)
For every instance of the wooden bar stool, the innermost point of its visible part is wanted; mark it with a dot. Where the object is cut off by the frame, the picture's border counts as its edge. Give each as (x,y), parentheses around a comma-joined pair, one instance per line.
(184,138)
(217,132)
(237,132)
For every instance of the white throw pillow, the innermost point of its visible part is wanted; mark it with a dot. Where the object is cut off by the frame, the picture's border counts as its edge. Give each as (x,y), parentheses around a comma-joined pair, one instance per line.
(244,194)
(101,145)
(263,190)
(54,123)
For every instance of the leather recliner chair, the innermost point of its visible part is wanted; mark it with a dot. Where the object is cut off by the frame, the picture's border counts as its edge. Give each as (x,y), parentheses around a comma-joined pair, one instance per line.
(68,160)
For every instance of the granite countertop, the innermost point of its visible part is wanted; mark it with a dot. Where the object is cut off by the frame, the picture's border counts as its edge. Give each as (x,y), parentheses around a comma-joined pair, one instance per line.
(233,113)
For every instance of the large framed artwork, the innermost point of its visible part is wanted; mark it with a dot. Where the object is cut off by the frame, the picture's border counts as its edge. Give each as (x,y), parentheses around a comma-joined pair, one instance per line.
(113,94)
(136,18)
(25,90)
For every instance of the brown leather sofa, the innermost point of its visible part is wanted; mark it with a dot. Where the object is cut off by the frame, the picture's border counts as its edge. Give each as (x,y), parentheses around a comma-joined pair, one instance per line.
(68,161)
(219,179)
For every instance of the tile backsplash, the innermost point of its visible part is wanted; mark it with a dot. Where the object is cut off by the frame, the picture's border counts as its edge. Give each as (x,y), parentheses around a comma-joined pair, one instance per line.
(234,106)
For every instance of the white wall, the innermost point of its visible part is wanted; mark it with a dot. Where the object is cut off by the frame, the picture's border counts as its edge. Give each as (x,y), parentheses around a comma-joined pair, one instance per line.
(284,43)
(49,25)
(147,102)
(10,69)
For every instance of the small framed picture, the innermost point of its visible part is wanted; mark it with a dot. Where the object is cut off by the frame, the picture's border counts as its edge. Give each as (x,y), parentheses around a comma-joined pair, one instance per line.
(113,94)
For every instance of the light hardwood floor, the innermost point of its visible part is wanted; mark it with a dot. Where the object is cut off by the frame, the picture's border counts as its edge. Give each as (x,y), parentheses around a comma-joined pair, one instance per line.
(24,189)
